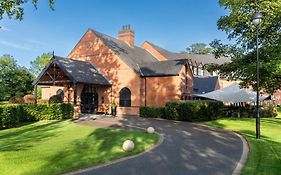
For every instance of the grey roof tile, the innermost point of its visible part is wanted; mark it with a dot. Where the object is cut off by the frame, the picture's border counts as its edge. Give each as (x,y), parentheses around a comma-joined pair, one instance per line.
(194,58)
(162,68)
(204,84)
(130,55)
(79,71)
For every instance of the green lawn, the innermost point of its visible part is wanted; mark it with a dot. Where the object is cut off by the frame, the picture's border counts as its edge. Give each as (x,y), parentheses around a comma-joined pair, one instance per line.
(53,147)
(265,154)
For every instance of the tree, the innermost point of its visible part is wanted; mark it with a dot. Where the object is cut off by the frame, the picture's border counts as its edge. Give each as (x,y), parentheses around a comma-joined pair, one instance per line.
(198,48)
(237,24)
(39,63)
(14,80)
(14,8)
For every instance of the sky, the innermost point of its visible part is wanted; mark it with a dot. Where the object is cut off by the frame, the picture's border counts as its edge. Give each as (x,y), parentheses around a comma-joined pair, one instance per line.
(171,24)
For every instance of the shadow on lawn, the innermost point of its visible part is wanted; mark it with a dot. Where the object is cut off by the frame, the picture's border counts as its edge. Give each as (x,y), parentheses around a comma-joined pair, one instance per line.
(215,123)
(105,143)
(26,137)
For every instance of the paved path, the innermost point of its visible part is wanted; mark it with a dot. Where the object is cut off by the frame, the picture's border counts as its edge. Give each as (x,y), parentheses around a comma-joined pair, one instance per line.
(187,149)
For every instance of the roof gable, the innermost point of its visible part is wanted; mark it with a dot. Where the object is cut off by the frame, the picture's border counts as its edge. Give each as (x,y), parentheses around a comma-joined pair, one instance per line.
(76,71)
(132,56)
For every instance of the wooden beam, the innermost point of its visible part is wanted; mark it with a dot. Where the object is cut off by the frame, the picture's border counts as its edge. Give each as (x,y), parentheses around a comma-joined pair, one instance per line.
(50,76)
(57,81)
(75,94)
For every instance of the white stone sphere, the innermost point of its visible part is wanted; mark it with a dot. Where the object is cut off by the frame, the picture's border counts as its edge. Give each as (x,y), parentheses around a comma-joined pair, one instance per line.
(128,145)
(150,130)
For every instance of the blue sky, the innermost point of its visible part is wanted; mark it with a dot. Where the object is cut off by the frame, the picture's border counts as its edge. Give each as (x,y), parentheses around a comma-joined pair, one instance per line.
(171,24)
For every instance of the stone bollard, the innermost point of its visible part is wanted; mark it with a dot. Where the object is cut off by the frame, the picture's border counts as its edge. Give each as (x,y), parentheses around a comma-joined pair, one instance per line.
(128,145)
(150,130)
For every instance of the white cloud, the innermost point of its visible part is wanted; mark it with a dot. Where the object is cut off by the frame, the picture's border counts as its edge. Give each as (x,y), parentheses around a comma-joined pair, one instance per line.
(3,28)
(14,45)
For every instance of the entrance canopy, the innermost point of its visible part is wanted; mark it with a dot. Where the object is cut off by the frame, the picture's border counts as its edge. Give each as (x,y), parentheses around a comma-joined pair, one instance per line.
(61,71)
(233,94)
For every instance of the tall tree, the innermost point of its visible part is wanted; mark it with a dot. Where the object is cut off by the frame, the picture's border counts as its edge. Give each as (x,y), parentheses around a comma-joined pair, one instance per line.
(14,80)
(14,8)
(39,63)
(198,48)
(237,24)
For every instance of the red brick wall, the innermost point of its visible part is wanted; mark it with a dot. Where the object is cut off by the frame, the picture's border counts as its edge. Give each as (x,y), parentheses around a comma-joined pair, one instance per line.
(277,97)
(153,51)
(160,90)
(91,48)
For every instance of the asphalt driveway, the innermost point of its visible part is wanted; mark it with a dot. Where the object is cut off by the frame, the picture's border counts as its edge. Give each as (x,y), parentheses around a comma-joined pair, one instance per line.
(187,149)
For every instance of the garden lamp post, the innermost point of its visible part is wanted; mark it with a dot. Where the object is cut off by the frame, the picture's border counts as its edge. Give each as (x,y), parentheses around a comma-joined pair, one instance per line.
(256,20)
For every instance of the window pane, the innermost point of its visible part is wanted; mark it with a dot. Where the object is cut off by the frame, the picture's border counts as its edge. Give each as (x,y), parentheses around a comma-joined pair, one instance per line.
(125,97)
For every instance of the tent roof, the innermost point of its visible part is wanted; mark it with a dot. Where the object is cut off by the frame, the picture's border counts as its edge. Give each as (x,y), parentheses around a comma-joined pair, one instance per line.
(233,94)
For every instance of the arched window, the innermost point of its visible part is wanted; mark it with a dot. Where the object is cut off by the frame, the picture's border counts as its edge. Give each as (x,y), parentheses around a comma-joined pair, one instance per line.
(125,97)
(60,93)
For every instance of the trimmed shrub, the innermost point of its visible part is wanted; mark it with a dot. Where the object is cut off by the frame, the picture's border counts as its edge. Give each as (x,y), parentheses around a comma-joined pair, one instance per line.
(16,100)
(269,111)
(29,98)
(152,112)
(9,116)
(193,110)
(55,99)
(12,115)
(171,110)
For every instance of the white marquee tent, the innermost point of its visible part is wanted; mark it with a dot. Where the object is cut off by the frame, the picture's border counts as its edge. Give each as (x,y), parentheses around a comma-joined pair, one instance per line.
(233,94)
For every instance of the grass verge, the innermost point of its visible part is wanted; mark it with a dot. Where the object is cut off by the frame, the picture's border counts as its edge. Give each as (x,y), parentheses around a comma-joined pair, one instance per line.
(54,147)
(265,154)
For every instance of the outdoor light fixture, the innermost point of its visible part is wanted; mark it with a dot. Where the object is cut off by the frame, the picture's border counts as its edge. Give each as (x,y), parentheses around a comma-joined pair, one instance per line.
(256,20)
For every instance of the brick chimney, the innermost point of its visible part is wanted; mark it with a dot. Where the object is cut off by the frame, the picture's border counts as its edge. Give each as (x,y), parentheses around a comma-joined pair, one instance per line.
(127,35)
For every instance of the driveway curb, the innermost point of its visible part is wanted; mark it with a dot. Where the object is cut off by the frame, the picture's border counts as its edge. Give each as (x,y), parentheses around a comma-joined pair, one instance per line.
(244,156)
(160,141)
(245,152)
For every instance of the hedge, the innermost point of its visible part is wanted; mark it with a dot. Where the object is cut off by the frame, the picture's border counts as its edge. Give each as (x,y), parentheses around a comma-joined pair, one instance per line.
(190,110)
(12,115)
(193,110)
(152,112)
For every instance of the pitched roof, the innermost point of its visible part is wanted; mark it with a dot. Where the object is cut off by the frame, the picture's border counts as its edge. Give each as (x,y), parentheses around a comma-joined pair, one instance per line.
(162,68)
(130,55)
(204,84)
(78,71)
(194,58)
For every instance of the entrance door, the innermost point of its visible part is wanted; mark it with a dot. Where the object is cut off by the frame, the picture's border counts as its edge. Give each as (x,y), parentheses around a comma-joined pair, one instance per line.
(89,99)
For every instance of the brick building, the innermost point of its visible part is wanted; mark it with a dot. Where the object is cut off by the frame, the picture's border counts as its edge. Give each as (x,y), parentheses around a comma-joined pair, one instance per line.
(101,70)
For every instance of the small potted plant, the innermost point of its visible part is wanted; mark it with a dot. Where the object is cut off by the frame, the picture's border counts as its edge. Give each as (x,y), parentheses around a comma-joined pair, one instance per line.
(113,108)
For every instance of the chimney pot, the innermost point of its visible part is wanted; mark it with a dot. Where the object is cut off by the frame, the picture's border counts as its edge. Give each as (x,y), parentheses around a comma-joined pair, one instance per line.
(127,35)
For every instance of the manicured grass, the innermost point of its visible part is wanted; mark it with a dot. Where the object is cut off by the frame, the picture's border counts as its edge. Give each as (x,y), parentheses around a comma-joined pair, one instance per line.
(265,154)
(53,147)
(3,102)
